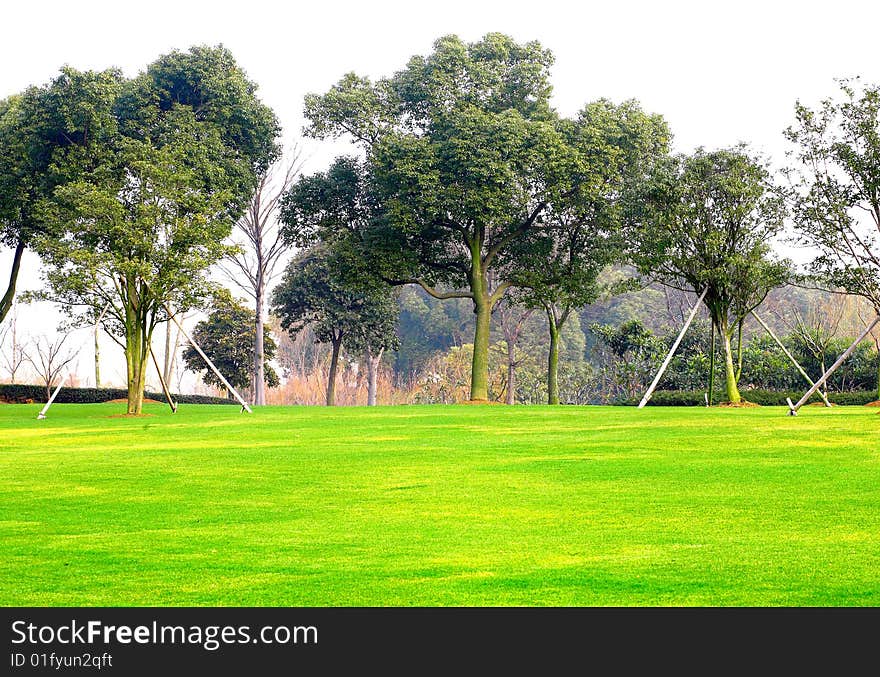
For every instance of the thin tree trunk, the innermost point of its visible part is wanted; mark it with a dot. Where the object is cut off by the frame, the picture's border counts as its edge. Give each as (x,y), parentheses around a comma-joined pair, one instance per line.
(511,371)
(97,359)
(166,366)
(259,372)
(732,391)
(553,358)
(331,377)
(372,376)
(712,366)
(9,296)
(739,351)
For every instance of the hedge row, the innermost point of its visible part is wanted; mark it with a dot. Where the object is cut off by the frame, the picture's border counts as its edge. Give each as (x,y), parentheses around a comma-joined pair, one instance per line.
(766,398)
(16,393)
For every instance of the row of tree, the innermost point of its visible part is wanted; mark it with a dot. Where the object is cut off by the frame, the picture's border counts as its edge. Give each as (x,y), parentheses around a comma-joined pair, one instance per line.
(466,182)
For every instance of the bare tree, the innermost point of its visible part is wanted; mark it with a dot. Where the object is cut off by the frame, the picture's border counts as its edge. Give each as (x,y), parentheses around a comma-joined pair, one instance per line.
(49,358)
(15,356)
(260,247)
(511,319)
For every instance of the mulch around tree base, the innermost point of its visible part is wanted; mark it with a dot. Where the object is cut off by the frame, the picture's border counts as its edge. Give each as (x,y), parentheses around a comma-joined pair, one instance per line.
(875,403)
(480,402)
(744,404)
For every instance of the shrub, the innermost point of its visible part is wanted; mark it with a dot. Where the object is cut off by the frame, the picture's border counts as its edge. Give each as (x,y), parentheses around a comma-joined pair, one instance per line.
(17,393)
(767,398)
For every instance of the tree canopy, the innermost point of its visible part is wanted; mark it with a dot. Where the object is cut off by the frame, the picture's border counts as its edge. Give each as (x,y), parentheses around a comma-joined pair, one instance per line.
(708,222)
(169,172)
(313,293)
(466,159)
(835,193)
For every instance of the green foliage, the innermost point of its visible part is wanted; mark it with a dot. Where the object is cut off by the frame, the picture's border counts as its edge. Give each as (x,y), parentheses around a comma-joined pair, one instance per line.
(835,191)
(314,292)
(17,393)
(150,193)
(469,168)
(707,222)
(227,338)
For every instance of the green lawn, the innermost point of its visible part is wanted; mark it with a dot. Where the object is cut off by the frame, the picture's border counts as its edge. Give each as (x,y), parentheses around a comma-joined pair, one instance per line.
(439,506)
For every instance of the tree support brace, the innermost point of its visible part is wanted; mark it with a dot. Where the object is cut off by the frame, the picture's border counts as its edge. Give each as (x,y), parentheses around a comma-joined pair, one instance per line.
(672,350)
(207,360)
(793,408)
(171,402)
(790,357)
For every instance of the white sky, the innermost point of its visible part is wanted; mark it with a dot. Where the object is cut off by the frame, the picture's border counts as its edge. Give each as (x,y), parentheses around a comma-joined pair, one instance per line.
(719,73)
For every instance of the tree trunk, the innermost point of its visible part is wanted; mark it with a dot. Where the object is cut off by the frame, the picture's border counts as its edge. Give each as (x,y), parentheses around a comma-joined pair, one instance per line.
(511,371)
(97,359)
(372,376)
(136,354)
(9,296)
(732,391)
(553,358)
(331,377)
(480,363)
(137,344)
(712,366)
(259,372)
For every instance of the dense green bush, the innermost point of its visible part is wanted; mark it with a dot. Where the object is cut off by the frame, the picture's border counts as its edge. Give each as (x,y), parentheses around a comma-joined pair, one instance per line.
(17,393)
(767,398)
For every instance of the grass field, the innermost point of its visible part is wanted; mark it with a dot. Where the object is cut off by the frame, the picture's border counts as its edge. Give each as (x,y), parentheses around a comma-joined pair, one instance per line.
(439,506)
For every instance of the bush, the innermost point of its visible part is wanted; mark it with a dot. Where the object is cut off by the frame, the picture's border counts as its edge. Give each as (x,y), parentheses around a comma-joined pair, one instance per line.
(766,398)
(16,393)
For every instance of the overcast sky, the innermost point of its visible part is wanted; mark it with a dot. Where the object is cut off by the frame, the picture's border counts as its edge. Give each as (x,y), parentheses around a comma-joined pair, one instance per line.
(719,73)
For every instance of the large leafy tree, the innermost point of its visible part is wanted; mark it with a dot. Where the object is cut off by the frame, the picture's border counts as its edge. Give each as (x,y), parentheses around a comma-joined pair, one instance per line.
(227,337)
(708,222)
(170,173)
(583,235)
(835,187)
(466,158)
(49,135)
(315,293)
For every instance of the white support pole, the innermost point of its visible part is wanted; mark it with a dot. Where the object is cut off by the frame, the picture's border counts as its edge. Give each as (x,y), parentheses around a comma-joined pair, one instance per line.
(790,357)
(171,402)
(672,350)
(43,411)
(216,371)
(793,409)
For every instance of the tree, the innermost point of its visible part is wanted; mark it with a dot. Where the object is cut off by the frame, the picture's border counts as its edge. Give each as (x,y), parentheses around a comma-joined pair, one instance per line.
(226,337)
(511,319)
(374,336)
(465,159)
(49,358)
(260,246)
(169,175)
(707,223)
(16,357)
(583,235)
(313,293)
(48,136)
(835,187)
